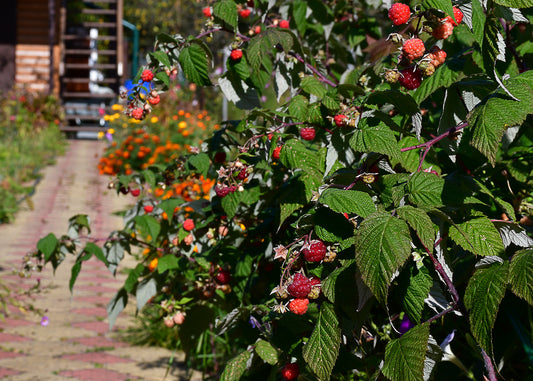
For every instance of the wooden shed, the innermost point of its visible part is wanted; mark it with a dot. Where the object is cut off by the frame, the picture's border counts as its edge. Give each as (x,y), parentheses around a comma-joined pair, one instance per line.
(71,48)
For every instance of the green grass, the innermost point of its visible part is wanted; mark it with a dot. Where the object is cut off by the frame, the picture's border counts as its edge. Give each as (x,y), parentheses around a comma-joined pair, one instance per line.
(29,140)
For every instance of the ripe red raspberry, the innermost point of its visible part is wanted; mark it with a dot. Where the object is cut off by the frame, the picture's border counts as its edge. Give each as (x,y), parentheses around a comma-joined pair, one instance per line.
(245,13)
(314,251)
(290,372)
(148,209)
(223,276)
(135,192)
(410,78)
(276,152)
(458,17)
(236,54)
(413,48)
(220,157)
(242,174)
(147,75)
(399,13)
(307,133)
(300,286)
(207,11)
(284,24)
(298,306)
(154,100)
(222,190)
(443,31)
(137,113)
(188,224)
(339,120)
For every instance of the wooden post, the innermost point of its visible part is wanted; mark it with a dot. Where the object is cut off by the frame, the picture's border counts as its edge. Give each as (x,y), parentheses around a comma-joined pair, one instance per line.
(51,42)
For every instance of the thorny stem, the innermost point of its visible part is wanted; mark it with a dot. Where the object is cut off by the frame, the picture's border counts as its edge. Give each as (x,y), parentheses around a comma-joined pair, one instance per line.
(439,315)
(320,76)
(488,365)
(449,284)
(427,145)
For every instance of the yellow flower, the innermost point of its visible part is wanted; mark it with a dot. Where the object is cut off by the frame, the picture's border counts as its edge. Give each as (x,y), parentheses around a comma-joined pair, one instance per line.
(242,226)
(100,134)
(106,118)
(116,107)
(182,125)
(111,131)
(154,119)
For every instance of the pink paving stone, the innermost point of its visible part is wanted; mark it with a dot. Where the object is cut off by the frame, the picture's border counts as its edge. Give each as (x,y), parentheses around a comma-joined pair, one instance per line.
(96,375)
(95,326)
(10,322)
(95,311)
(9,355)
(95,288)
(98,341)
(96,357)
(4,372)
(104,300)
(98,279)
(102,272)
(9,338)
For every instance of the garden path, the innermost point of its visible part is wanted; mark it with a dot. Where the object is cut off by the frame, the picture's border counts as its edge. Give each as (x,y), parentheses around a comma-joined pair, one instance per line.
(76,343)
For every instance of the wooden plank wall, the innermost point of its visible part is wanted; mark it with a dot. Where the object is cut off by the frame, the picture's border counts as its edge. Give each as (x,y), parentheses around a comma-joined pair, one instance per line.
(33,50)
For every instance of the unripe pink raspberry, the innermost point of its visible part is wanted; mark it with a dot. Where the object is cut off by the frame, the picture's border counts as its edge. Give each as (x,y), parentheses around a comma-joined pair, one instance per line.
(443,31)
(437,56)
(399,13)
(410,78)
(298,306)
(137,113)
(413,48)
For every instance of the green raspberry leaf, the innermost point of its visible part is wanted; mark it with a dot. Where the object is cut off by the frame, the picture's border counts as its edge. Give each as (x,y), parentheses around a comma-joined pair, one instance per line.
(425,189)
(236,367)
(415,285)
(404,357)
(515,3)
(348,201)
(382,245)
(322,349)
(267,352)
(521,275)
(226,10)
(193,61)
(483,295)
(479,236)
(47,245)
(487,121)
(376,138)
(313,86)
(420,222)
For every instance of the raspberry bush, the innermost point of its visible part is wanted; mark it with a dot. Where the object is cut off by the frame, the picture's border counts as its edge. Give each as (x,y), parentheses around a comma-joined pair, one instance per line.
(391,242)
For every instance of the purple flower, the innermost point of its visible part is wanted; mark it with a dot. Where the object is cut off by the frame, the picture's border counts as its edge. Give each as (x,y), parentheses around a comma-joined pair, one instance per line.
(45,321)
(254,322)
(109,136)
(406,325)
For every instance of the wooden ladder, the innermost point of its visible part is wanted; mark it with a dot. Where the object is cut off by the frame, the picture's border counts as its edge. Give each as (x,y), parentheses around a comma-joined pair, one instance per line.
(92,62)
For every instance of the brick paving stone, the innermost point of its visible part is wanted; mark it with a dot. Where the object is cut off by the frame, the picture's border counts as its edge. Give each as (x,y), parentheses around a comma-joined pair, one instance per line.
(98,279)
(12,322)
(9,338)
(9,355)
(95,289)
(96,357)
(95,326)
(103,300)
(98,341)
(97,375)
(93,311)
(4,372)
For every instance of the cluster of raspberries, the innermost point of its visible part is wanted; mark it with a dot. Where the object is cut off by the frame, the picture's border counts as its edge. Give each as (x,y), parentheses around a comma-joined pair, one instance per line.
(414,48)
